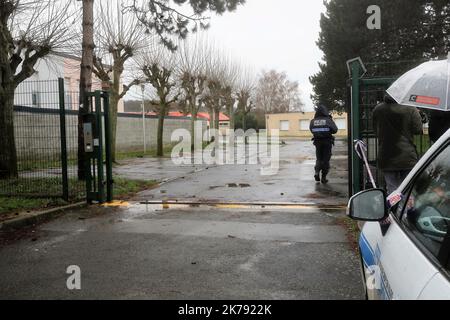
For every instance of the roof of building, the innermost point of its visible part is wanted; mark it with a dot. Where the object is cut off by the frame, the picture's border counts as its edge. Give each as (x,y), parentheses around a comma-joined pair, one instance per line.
(177,114)
(205,115)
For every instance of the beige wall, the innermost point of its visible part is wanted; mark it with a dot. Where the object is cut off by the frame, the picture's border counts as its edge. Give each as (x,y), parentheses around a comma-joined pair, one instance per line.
(224,126)
(299,124)
(38,136)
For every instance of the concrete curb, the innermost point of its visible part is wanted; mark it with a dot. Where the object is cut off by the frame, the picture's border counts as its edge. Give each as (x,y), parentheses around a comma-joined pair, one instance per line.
(36,217)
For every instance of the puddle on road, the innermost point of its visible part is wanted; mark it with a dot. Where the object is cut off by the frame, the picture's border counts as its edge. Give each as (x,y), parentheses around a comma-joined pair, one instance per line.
(158,209)
(231,185)
(323,195)
(161,205)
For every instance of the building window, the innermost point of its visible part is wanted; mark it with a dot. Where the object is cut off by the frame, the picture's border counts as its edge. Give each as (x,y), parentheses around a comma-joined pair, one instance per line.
(284,125)
(68,95)
(304,125)
(35,99)
(341,124)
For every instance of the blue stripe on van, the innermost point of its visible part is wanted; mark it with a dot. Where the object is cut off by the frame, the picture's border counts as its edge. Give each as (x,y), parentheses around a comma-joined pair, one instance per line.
(366,251)
(368,256)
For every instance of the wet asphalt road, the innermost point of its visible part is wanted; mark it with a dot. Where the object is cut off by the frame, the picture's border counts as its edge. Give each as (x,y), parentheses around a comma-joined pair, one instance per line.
(293,182)
(140,251)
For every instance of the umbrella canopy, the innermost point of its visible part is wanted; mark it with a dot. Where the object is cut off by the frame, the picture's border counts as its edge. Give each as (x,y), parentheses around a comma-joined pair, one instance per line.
(427,86)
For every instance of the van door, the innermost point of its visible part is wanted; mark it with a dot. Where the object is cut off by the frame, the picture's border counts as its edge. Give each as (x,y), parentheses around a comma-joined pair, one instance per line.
(395,268)
(437,289)
(415,247)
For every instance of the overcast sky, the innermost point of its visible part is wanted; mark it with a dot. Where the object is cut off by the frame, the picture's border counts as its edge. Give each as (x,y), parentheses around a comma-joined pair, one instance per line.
(271,34)
(274,34)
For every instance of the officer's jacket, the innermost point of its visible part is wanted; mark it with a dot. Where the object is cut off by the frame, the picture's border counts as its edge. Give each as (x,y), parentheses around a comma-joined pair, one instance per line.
(323,126)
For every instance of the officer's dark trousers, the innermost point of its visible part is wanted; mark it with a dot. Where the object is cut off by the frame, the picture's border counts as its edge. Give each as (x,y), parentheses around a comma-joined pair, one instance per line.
(323,156)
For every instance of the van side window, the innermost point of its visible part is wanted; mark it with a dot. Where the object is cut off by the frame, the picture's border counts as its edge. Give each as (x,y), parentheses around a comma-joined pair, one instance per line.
(427,209)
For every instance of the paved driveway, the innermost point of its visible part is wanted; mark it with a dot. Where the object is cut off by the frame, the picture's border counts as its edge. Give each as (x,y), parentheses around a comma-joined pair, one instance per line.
(213,249)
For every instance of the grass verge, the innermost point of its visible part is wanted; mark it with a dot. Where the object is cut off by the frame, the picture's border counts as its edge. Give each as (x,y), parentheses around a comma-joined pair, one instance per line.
(125,189)
(167,150)
(12,206)
(352,231)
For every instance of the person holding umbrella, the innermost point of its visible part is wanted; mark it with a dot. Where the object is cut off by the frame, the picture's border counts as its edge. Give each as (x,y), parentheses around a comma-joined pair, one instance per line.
(426,86)
(395,126)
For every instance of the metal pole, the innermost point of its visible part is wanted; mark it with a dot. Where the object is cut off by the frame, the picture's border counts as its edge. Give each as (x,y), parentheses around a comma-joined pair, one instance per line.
(355,132)
(143,119)
(62,125)
(349,139)
(107,144)
(99,148)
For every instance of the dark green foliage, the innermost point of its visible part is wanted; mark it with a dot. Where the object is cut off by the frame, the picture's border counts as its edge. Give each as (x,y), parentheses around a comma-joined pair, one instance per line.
(411,32)
(167,20)
(251,121)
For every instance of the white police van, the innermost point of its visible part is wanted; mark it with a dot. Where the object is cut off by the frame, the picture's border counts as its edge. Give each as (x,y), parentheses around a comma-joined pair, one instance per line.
(405,240)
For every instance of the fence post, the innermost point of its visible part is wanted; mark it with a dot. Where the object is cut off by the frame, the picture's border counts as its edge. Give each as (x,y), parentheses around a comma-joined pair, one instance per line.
(107,143)
(62,125)
(349,136)
(99,155)
(355,70)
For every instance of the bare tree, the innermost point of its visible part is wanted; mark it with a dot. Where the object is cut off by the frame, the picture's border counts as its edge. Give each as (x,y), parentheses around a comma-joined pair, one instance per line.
(157,67)
(29,32)
(275,93)
(221,75)
(229,85)
(119,38)
(245,93)
(191,74)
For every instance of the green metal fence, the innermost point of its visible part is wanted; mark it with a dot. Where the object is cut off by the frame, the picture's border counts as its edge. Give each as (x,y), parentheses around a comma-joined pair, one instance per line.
(46,140)
(367,87)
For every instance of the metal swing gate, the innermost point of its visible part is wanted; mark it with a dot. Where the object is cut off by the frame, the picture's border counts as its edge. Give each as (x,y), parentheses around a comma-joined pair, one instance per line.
(364,93)
(97,148)
(46,132)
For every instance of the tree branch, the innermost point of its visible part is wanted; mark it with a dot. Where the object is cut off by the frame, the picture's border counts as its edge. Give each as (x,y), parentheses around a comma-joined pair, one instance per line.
(126,88)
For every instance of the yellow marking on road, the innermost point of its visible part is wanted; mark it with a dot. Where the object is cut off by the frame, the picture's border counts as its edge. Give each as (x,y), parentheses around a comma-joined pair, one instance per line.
(117,203)
(276,207)
(231,206)
(243,206)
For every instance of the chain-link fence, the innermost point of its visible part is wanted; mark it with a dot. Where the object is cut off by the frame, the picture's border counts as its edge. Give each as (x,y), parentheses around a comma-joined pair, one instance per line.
(45,122)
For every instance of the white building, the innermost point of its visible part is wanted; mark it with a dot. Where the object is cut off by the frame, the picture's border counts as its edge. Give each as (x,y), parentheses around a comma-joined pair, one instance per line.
(41,89)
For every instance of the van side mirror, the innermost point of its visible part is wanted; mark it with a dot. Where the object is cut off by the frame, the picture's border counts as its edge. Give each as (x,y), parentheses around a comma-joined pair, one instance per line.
(368,205)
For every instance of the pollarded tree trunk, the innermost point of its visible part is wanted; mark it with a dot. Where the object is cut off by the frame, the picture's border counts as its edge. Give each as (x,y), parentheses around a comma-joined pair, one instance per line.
(113,106)
(113,102)
(231,113)
(216,119)
(211,125)
(193,121)
(160,135)
(8,155)
(85,78)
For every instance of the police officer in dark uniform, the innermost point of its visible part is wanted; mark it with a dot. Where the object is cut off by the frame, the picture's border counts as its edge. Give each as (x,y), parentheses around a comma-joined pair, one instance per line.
(323,128)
